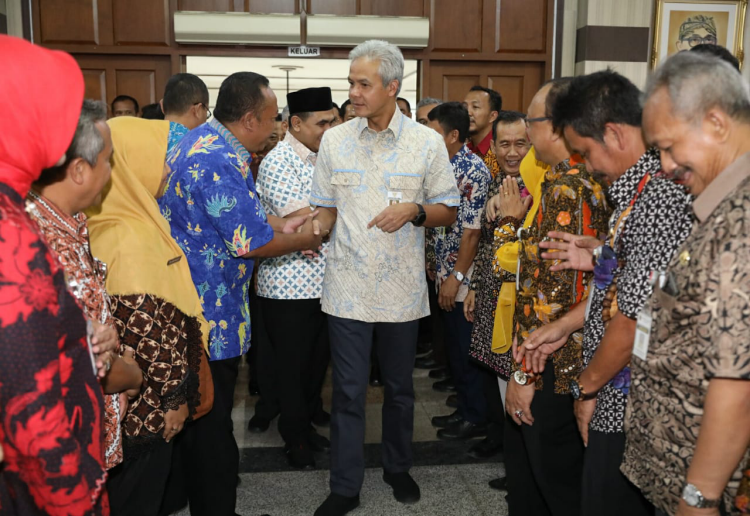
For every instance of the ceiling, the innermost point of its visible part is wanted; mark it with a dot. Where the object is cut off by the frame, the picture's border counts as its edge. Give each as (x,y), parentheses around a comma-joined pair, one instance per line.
(310,73)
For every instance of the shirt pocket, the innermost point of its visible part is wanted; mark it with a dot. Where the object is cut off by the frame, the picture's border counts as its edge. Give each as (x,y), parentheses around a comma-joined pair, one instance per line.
(410,185)
(352,178)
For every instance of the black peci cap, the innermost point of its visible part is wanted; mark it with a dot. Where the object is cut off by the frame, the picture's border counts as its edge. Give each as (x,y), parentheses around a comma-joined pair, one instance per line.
(309,100)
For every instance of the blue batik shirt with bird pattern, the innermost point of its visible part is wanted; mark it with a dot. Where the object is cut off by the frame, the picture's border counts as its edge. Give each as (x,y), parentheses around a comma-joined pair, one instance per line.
(216,218)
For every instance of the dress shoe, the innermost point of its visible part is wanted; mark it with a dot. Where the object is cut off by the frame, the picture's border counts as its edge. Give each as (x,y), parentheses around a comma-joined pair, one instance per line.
(426,362)
(258,425)
(405,490)
(300,457)
(486,448)
(444,421)
(444,386)
(501,484)
(452,401)
(321,418)
(318,443)
(337,505)
(441,373)
(462,431)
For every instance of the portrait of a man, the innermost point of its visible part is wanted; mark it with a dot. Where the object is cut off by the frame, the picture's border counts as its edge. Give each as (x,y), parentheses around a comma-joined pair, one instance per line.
(688,29)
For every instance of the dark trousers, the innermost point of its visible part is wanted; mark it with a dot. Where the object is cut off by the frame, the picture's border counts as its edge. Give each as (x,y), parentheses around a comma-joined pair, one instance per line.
(468,376)
(263,365)
(351,344)
(136,486)
(544,461)
(495,408)
(605,488)
(439,353)
(208,457)
(298,332)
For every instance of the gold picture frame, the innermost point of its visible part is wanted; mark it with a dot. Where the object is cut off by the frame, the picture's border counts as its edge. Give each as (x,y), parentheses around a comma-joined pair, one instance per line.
(681,24)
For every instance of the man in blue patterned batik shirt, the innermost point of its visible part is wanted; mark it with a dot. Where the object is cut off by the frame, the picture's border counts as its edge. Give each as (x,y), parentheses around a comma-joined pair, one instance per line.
(290,286)
(218,221)
(185,106)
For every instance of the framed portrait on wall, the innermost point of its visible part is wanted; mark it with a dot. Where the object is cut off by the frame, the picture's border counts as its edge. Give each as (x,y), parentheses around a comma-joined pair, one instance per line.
(682,25)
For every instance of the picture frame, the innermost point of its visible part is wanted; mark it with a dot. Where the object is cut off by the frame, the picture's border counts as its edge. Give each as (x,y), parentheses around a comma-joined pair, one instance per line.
(681,24)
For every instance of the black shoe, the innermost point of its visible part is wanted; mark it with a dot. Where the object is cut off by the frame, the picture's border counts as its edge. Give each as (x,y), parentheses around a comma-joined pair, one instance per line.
(318,443)
(440,373)
(452,401)
(405,490)
(486,448)
(444,386)
(321,418)
(444,421)
(423,348)
(300,457)
(253,389)
(499,483)
(462,431)
(375,381)
(337,505)
(258,425)
(426,362)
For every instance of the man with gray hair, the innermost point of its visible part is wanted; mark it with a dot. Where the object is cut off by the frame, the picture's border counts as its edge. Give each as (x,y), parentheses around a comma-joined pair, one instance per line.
(424,107)
(688,418)
(380,179)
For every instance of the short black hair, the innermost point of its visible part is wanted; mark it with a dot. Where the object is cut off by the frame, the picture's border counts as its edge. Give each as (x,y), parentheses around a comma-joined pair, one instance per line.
(592,101)
(556,88)
(342,110)
(279,118)
(506,117)
(496,100)
(452,116)
(182,92)
(718,51)
(152,112)
(408,106)
(240,93)
(125,98)
(336,106)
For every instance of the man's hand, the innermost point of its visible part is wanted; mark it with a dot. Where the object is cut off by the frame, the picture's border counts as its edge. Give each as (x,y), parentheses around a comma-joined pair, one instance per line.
(294,224)
(584,411)
(174,422)
(469,304)
(573,251)
(447,293)
(312,228)
(104,344)
(511,204)
(684,510)
(493,208)
(540,344)
(394,217)
(518,402)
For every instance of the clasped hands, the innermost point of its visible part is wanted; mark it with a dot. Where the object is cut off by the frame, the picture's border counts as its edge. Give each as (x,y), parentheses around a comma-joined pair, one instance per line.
(310,225)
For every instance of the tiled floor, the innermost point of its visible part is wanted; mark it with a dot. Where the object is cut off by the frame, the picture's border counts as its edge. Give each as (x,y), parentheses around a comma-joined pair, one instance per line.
(452,482)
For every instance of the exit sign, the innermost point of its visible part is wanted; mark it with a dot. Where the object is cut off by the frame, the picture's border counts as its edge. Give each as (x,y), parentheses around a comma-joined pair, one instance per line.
(304,51)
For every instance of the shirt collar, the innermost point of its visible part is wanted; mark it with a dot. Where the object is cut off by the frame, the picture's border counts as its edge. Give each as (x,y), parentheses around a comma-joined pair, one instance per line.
(484,146)
(461,154)
(724,184)
(625,188)
(395,126)
(225,133)
(300,148)
(75,226)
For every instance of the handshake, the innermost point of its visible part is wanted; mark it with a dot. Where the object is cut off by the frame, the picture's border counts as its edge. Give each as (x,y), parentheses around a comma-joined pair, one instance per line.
(309,226)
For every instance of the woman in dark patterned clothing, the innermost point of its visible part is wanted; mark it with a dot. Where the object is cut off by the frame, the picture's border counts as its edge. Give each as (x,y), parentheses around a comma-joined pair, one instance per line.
(156,309)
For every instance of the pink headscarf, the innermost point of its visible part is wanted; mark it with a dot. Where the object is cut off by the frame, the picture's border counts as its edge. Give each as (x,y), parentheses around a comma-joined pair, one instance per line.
(42,91)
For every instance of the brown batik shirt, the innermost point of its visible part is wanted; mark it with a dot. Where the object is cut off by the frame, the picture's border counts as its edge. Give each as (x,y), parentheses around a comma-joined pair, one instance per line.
(700,331)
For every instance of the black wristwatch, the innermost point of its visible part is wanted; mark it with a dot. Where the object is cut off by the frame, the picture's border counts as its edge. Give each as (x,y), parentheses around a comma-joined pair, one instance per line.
(421,217)
(576,390)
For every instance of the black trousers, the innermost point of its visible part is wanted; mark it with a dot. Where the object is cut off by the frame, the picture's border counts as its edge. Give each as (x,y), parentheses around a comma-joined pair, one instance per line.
(207,458)
(351,344)
(467,375)
(544,461)
(298,332)
(495,408)
(136,486)
(263,362)
(605,489)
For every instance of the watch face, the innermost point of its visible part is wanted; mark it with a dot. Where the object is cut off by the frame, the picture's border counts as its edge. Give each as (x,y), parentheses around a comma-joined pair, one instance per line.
(575,390)
(691,495)
(520,377)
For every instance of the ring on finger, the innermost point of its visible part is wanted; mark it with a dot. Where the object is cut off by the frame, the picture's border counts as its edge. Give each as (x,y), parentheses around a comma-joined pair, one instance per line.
(518,413)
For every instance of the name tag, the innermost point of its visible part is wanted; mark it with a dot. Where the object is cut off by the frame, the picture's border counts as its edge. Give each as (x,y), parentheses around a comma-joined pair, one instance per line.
(174,260)
(394,197)
(642,333)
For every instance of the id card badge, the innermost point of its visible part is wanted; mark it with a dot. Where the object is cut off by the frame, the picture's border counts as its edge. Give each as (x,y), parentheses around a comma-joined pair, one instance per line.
(642,333)
(394,198)
(590,300)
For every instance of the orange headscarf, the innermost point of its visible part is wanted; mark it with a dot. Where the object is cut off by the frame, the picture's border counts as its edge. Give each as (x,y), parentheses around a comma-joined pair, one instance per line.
(42,91)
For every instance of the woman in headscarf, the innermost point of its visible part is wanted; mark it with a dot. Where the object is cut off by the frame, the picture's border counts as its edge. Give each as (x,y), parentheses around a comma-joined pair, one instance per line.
(156,308)
(50,401)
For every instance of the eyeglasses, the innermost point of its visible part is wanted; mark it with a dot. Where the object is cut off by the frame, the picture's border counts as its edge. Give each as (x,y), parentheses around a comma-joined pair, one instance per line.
(208,111)
(696,40)
(538,119)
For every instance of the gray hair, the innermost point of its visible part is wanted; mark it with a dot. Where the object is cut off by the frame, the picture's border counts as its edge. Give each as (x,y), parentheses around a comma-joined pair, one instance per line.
(87,141)
(285,114)
(429,101)
(390,57)
(699,82)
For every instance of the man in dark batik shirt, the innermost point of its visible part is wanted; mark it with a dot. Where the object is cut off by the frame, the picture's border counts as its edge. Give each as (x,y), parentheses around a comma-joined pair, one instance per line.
(600,115)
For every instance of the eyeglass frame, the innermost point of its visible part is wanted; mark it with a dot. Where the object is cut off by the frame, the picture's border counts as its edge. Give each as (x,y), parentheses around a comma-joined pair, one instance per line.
(537,119)
(702,40)
(208,111)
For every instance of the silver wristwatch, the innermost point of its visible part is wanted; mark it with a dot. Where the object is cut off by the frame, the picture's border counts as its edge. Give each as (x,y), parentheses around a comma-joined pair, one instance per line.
(521,377)
(694,498)
(459,276)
